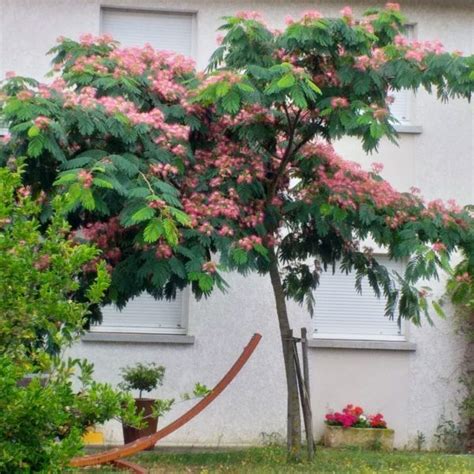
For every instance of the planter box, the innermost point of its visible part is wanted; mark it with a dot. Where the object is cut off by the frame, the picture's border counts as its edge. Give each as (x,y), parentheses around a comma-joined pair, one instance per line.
(337,436)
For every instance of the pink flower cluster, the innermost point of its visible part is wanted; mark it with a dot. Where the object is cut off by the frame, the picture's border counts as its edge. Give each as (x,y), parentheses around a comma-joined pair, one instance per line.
(249,15)
(42,122)
(106,235)
(163,170)
(349,186)
(464,278)
(163,251)
(339,102)
(85,177)
(417,50)
(353,416)
(209,267)
(248,243)
(374,60)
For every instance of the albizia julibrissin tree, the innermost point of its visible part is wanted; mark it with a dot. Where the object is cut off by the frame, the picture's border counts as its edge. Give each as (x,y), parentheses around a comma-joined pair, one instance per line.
(267,187)
(113,129)
(167,168)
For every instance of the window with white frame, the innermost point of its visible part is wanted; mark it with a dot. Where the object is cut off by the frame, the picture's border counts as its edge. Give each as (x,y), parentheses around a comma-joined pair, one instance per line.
(403,99)
(170,31)
(343,313)
(146,315)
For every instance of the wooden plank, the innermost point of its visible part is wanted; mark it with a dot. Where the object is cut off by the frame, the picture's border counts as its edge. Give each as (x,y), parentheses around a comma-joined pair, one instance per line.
(303,398)
(129,466)
(309,428)
(149,441)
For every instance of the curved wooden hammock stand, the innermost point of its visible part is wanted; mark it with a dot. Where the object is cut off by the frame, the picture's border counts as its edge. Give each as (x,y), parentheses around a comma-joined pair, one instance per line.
(115,455)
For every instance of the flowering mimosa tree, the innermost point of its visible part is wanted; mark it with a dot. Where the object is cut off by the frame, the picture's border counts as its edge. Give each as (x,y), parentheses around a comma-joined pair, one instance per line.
(268,180)
(113,130)
(167,168)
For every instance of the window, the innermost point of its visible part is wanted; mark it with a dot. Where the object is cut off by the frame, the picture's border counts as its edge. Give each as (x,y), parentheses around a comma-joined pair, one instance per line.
(402,105)
(163,30)
(342,313)
(145,315)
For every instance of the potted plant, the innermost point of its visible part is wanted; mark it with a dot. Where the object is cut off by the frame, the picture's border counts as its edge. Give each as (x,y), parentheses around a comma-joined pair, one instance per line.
(352,427)
(144,378)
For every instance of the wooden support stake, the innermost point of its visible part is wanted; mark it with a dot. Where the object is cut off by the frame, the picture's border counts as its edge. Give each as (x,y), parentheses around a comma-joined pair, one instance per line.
(303,399)
(309,432)
(289,411)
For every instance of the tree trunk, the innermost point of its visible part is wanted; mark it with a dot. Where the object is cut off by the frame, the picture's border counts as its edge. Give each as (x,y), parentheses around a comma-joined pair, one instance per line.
(293,411)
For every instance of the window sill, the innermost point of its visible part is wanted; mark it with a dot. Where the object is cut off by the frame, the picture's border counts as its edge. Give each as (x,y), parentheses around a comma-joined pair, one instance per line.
(407,128)
(364,345)
(137,338)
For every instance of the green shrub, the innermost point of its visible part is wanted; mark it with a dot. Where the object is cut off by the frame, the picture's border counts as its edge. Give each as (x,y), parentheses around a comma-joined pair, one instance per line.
(142,377)
(42,423)
(43,305)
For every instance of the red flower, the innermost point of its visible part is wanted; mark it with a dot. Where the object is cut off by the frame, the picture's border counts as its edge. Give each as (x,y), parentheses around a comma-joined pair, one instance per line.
(353,416)
(377,421)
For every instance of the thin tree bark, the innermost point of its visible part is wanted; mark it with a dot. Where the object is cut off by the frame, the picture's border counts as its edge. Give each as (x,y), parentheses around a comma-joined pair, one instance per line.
(294,417)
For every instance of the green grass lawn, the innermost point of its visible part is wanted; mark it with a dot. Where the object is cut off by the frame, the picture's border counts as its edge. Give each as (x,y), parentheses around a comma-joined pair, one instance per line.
(273,460)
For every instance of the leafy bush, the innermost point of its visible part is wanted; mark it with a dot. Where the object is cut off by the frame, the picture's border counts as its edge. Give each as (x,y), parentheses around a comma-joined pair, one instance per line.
(142,377)
(460,289)
(42,309)
(42,423)
(145,378)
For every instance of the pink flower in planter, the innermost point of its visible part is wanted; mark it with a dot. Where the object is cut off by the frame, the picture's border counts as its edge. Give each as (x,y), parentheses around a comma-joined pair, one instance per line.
(353,416)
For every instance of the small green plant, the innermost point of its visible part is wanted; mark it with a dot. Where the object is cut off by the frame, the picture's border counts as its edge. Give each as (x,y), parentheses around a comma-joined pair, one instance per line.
(200,390)
(145,378)
(142,377)
(450,436)
(420,440)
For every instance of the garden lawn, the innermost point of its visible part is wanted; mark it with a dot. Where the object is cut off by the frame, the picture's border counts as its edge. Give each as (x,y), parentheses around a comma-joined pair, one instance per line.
(272,459)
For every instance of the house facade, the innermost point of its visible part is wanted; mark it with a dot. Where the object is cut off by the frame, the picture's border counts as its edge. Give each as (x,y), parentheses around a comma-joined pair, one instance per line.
(356,355)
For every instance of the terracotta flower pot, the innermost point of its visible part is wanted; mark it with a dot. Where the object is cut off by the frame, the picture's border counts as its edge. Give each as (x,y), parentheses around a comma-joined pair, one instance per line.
(144,406)
(337,436)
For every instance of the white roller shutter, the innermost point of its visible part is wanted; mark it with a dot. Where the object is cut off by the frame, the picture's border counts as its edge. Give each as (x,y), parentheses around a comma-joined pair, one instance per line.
(402,105)
(163,30)
(144,314)
(342,313)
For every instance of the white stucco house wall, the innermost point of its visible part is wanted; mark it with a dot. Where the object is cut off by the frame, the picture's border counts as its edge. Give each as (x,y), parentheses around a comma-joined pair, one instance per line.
(356,356)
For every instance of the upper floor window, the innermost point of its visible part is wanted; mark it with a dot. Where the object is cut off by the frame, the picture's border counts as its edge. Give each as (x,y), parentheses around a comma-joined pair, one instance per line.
(165,31)
(169,31)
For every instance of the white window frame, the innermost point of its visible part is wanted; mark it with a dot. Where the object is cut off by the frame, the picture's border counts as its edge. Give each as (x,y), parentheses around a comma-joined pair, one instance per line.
(151,10)
(408,125)
(182,330)
(400,337)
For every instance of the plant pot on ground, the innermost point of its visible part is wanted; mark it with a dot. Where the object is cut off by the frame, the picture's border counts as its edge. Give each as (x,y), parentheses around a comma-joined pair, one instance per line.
(144,378)
(352,427)
(369,438)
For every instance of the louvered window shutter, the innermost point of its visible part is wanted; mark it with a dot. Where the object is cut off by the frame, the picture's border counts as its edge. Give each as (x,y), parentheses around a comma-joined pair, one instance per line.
(163,30)
(342,313)
(145,314)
